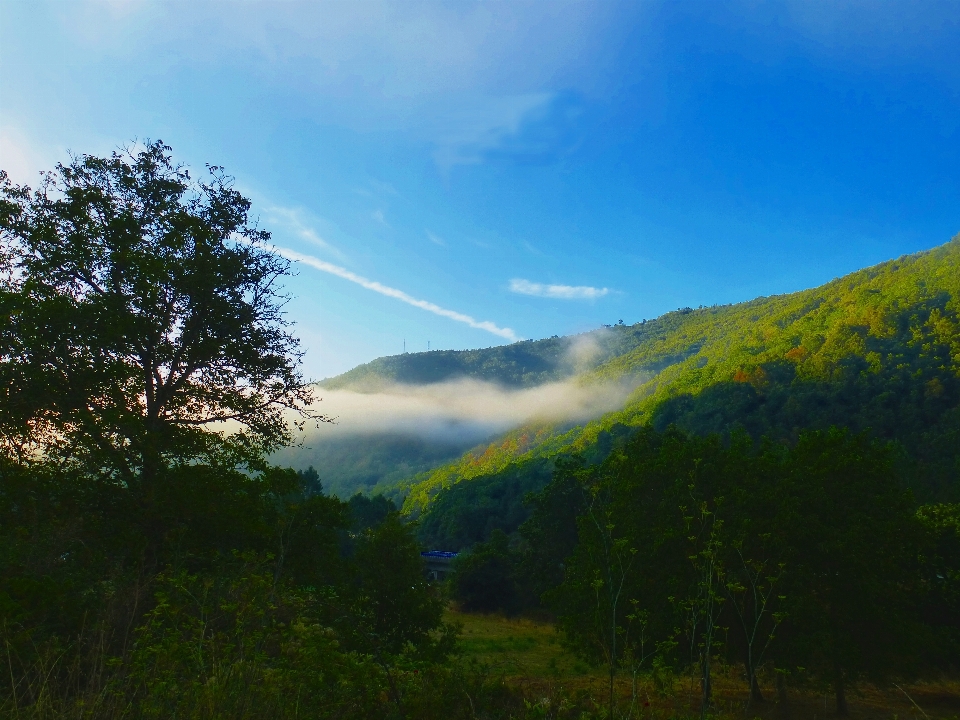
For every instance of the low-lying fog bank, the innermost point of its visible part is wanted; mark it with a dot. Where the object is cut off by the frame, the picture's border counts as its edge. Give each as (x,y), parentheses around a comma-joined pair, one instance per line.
(450,411)
(401,430)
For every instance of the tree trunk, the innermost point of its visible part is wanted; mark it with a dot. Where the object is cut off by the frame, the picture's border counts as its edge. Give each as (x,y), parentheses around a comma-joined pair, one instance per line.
(706,687)
(755,694)
(611,690)
(841,695)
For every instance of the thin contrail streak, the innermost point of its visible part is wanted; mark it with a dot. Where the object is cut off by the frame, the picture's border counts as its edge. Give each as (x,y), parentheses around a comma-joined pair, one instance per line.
(319,264)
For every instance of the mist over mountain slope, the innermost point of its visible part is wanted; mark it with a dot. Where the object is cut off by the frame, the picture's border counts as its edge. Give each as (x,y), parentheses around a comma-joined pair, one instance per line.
(383,437)
(877,351)
(388,430)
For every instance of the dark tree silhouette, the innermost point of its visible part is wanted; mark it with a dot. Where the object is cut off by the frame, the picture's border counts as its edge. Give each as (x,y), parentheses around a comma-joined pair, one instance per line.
(142,320)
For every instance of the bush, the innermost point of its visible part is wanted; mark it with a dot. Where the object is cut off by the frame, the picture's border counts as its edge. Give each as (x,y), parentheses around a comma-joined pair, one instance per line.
(485,579)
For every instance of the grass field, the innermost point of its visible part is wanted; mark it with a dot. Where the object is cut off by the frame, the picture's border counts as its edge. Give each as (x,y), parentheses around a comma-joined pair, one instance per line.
(530,652)
(519,647)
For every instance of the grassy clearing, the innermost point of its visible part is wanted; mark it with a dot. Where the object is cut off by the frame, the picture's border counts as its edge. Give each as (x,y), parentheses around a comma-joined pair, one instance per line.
(519,647)
(530,652)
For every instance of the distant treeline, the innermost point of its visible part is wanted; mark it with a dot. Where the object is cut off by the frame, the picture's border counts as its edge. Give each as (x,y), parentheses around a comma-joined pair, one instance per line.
(526,363)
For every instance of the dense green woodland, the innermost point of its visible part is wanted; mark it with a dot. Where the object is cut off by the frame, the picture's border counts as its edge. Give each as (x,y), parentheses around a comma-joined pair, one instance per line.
(812,560)
(873,351)
(370,462)
(523,364)
(877,351)
(778,495)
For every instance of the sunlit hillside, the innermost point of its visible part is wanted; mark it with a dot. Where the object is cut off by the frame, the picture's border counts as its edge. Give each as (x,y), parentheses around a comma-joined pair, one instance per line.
(406,414)
(877,350)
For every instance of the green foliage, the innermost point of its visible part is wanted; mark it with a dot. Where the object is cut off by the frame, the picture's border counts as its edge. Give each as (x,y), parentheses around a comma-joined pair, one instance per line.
(496,458)
(395,609)
(369,512)
(140,314)
(469,513)
(310,480)
(234,643)
(851,561)
(626,535)
(80,557)
(876,351)
(485,579)
(701,608)
(807,555)
(940,578)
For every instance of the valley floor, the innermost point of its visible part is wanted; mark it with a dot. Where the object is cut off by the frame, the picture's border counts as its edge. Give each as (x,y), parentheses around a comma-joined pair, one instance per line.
(529,653)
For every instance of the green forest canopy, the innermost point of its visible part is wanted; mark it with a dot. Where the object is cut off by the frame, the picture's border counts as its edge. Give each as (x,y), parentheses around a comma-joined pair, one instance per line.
(877,350)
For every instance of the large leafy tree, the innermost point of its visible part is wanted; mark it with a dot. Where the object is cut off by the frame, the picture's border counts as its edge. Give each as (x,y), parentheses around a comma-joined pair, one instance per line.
(146,373)
(142,325)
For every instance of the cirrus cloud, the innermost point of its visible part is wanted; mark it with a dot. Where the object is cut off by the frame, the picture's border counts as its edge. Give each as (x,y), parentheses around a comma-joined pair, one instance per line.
(560,292)
(390,292)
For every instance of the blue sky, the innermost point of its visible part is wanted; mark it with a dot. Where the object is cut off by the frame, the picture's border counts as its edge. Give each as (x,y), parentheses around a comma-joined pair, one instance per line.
(465,173)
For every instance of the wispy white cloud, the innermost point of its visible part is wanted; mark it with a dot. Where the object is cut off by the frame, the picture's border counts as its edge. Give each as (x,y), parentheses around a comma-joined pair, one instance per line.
(341,272)
(293,220)
(561,292)
(435,239)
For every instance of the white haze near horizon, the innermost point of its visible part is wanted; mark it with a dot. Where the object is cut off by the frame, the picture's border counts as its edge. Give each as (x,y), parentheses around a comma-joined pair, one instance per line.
(463,410)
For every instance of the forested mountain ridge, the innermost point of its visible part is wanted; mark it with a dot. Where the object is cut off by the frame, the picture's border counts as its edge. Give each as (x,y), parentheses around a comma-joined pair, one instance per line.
(520,364)
(877,350)
(526,363)
(356,459)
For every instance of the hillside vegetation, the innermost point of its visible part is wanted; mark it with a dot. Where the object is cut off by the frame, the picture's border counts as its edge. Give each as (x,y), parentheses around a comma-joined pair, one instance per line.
(370,462)
(155,563)
(355,458)
(876,351)
(526,363)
